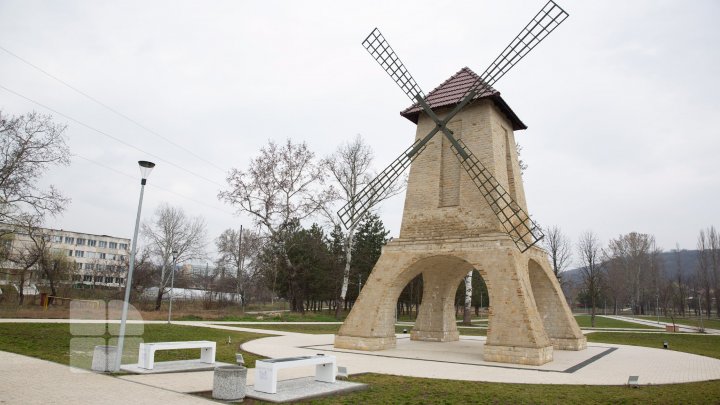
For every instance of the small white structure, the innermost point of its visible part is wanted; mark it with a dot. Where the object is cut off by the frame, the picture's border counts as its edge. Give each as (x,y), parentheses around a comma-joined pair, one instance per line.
(146,356)
(266,370)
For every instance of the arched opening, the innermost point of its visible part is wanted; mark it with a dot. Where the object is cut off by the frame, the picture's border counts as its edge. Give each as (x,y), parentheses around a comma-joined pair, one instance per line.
(479,301)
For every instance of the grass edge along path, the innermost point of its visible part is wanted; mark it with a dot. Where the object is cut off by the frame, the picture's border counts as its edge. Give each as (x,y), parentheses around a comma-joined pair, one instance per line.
(53,342)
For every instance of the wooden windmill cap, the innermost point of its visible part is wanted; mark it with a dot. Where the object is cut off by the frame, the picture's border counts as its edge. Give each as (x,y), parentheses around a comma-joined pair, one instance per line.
(450,92)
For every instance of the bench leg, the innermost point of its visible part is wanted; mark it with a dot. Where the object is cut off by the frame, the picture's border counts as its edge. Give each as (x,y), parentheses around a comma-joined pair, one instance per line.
(207,355)
(265,380)
(325,372)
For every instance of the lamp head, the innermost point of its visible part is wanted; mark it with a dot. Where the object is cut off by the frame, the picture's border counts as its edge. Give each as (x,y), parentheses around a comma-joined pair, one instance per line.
(145,169)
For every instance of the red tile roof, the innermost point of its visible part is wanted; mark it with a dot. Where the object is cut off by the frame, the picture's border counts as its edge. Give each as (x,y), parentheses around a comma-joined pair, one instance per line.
(450,92)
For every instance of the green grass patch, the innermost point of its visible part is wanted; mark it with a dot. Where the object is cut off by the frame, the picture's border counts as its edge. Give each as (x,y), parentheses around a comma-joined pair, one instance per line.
(705,345)
(712,323)
(584,321)
(388,389)
(53,342)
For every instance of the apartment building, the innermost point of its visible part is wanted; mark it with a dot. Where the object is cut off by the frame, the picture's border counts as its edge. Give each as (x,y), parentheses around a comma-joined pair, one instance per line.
(99,260)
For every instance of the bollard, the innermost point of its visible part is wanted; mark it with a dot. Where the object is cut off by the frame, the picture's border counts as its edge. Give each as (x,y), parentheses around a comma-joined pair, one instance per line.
(229,383)
(104,358)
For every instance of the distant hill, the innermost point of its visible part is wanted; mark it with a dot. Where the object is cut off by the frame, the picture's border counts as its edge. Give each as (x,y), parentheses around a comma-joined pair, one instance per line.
(688,263)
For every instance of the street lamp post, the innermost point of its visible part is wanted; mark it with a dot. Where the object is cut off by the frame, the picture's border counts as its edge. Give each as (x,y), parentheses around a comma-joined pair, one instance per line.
(172,283)
(145,169)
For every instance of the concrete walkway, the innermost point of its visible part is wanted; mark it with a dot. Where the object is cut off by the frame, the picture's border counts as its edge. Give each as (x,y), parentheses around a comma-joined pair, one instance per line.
(26,380)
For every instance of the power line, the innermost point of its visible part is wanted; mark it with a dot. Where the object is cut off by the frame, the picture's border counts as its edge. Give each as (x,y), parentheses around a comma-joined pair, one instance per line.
(151,184)
(116,139)
(107,107)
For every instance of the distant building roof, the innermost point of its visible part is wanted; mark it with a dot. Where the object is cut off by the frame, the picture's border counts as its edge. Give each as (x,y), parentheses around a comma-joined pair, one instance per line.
(449,93)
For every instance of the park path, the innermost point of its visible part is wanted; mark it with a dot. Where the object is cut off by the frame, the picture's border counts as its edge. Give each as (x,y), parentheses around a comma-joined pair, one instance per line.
(683,328)
(27,380)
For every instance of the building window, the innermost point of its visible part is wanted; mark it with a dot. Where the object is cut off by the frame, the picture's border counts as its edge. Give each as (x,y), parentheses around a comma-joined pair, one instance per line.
(70,253)
(57,239)
(119,280)
(76,277)
(122,257)
(123,246)
(98,279)
(89,266)
(92,242)
(79,253)
(102,255)
(109,279)
(102,244)
(87,278)
(79,266)
(113,245)
(69,240)
(80,241)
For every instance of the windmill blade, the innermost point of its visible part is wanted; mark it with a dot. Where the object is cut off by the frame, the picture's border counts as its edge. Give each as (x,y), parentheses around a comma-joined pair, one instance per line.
(516,222)
(383,53)
(355,209)
(544,22)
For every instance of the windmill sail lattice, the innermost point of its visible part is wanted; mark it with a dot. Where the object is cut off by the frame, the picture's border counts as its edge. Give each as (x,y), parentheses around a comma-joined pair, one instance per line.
(522,230)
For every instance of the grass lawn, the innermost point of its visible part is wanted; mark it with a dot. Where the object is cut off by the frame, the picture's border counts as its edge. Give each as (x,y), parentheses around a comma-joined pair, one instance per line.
(388,389)
(602,322)
(712,323)
(53,341)
(705,345)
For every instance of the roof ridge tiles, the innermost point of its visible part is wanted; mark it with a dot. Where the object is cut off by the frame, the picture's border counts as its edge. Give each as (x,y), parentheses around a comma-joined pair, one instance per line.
(450,91)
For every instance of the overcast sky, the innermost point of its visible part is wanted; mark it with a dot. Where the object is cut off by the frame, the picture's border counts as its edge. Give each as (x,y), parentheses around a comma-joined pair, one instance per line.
(620,101)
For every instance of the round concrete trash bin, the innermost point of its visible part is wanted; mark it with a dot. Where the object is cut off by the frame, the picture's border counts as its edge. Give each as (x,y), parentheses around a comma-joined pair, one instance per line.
(104,358)
(229,382)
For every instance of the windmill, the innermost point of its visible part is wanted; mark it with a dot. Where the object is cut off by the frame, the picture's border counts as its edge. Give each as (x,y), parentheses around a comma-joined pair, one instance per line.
(448,230)
(523,231)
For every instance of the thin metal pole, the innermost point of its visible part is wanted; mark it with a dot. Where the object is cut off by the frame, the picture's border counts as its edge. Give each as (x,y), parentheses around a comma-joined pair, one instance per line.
(172,286)
(128,281)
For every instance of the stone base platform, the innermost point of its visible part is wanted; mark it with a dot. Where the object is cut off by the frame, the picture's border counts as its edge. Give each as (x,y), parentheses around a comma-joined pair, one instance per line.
(178,366)
(518,355)
(364,343)
(300,389)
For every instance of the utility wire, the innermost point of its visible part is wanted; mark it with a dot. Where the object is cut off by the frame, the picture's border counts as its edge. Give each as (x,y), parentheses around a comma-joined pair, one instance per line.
(110,136)
(107,107)
(151,184)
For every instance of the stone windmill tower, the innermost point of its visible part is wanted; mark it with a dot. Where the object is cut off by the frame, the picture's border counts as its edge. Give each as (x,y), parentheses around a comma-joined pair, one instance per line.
(464,209)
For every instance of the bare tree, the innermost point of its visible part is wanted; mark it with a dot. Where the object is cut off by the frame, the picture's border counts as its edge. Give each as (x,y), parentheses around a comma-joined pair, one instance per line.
(708,266)
(238,251)
(173,231)
(350,168)
(589,252)
(632,253)
(558,247)
(468,298)
(30,145)
(282,186)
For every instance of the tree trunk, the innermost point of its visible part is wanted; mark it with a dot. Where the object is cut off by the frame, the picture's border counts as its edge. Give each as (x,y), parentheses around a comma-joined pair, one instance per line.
(158,300)
(349,239)
(468,299)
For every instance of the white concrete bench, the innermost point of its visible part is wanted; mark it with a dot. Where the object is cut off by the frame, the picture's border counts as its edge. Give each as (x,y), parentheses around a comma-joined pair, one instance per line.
(266,370)
(146,356)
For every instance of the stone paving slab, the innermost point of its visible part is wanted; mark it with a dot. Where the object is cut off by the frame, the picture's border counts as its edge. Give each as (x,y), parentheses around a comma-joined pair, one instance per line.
(304,388)
(177,366)
(29,381)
